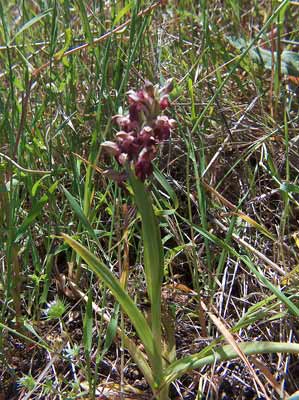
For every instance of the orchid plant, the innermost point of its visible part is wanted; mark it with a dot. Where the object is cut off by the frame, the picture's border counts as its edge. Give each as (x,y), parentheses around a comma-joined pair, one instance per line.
(136,143)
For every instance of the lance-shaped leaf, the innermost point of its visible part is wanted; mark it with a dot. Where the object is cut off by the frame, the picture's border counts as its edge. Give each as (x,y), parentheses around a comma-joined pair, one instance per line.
(136,317)
(153,260)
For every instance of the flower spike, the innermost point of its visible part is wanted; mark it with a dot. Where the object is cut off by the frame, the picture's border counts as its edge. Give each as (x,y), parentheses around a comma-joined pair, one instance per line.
(142,129)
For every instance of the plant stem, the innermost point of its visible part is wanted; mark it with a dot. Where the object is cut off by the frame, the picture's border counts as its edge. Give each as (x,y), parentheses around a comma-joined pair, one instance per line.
(153,266)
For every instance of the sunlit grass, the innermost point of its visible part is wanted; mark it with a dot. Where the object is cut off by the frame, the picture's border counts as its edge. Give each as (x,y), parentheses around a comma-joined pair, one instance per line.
(224,190)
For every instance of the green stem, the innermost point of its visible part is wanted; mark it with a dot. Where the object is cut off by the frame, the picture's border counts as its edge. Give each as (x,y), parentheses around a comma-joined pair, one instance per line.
(153,266)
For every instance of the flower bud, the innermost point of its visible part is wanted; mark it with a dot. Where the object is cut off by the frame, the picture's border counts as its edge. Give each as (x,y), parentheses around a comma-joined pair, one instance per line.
(111,148)
(162,128)
(164,102)
(121,135)
(122,158)
(149,88)
(123,122)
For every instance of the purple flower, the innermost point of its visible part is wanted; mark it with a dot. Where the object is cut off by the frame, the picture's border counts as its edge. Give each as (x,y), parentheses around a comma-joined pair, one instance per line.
(111,148)
(143,166)
(146,138)
(142,128)
(163,127)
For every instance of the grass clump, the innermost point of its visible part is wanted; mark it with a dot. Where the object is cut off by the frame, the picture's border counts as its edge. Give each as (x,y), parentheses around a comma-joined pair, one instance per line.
(177,275)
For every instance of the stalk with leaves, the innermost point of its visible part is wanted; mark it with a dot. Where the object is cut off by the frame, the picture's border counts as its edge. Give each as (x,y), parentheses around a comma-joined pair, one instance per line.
(135,147)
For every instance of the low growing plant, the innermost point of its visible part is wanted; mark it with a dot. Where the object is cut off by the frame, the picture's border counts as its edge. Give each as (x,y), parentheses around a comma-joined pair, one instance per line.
(135,147)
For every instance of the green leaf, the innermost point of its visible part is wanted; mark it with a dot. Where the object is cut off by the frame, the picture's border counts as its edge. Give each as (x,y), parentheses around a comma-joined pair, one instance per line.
(87,325)
(25,61)
(256,225)
(279,294)
(67,43)
(84,17)
(136,317)
(49,262)
(192,98)
(33,214)
(171,254)
(182,366)
(111,330)
(153,251)
(153,262)
(33,332)
(41,344)
(53,187)
(37,184)
(259,55)
(235,5)
(289,187)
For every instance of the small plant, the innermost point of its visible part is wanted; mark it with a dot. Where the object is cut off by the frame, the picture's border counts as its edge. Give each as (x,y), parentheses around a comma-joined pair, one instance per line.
(134,148)
(48,387)
(55,309)
(27,382)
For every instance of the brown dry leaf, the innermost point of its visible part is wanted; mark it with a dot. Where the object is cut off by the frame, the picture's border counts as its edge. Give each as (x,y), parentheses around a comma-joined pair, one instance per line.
(231,340)
(270,378)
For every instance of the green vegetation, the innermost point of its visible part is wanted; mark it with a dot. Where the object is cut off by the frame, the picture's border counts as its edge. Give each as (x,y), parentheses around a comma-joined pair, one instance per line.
(183,280)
